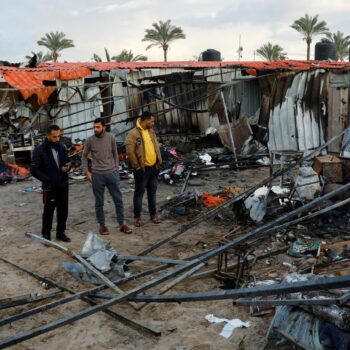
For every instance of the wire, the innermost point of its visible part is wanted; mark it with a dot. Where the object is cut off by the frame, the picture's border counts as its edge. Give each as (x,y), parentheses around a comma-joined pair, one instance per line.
(132,95)
(139,107)
(214,91)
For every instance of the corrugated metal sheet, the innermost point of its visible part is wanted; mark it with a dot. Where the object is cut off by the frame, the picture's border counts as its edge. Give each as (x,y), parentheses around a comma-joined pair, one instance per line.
(78,108)
(121,104)
(339,112)
(80,113)
(297,121)
(30,81)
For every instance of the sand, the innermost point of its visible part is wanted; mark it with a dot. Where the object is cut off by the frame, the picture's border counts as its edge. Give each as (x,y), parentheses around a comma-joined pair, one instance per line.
(183,326)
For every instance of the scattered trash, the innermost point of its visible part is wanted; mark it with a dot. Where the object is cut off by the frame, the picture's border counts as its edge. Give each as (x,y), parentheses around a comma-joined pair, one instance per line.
(212,201)
(206,159)
(102,256)
(257,204)
(230,325)
(299,247)
(35,188)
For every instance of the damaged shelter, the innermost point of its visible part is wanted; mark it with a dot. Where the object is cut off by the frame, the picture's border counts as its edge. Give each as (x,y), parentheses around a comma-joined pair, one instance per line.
(275,238)
(286,105)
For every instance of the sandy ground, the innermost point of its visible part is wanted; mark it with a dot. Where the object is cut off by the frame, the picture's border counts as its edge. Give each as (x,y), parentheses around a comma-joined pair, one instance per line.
(183,326)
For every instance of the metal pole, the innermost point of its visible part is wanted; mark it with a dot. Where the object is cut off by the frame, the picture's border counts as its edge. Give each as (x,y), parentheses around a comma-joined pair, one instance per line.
(77,257)
(229,128)
(276,289)
(82,295)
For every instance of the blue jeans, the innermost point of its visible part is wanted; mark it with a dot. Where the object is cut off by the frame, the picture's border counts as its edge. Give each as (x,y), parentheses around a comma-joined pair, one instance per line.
(112,182)
(147,179)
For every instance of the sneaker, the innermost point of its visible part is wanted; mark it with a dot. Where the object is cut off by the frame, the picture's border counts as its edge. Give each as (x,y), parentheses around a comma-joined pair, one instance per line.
(138,222)
(62,237)
(155,219)
(103,230)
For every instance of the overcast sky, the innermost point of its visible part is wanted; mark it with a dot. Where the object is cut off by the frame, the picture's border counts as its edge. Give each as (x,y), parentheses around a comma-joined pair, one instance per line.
(120,24)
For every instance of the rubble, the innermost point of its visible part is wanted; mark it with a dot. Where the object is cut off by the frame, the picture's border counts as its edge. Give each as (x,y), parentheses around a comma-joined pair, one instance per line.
(280,248)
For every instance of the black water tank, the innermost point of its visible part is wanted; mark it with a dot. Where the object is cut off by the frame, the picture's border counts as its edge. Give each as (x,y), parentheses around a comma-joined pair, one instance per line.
(211,55)
(325,50)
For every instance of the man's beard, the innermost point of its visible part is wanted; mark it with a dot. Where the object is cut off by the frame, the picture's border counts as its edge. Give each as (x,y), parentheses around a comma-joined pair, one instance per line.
(98,134)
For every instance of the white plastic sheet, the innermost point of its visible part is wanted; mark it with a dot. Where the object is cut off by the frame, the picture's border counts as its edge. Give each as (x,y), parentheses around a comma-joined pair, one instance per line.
(230,325)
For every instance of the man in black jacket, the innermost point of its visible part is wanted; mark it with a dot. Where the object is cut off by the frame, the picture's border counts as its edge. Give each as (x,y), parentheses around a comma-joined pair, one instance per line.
(50,165)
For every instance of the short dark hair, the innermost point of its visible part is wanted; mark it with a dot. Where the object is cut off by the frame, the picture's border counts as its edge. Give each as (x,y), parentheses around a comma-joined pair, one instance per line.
(52,127)
(146,115)
(100,120)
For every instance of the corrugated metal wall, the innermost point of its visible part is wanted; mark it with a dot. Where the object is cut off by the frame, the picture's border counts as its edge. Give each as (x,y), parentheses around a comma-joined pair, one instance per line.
(297,118)
(78,109)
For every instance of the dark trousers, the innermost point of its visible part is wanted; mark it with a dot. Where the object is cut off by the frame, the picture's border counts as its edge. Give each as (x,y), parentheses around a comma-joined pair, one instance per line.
(56,198)
(112,182)
(147,179)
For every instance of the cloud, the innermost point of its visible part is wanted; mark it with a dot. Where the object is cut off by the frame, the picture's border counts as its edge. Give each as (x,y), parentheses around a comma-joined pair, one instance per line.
(120,24)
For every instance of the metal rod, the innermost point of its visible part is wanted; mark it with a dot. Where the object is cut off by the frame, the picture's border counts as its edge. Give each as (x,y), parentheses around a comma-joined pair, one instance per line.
(152,259)
(176,281)
(186,180)
(294,302)
(229,127)
(325,283)
(88,311)
(135,324)
(26,299)
(77,257)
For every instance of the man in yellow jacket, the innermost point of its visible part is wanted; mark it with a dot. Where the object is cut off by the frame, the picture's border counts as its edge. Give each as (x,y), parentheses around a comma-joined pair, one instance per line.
(144,155)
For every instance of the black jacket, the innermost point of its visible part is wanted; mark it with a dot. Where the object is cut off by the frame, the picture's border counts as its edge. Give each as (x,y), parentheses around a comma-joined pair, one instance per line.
(40,166)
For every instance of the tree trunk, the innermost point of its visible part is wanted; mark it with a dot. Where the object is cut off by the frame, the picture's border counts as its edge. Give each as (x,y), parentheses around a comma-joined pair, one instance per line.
(165,50)
(308,43)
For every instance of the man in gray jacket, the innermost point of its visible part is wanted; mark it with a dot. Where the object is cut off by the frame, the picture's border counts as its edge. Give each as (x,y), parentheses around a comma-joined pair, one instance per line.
(104,173)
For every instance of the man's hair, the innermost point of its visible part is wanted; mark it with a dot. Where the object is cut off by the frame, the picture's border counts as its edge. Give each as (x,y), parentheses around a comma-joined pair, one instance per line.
(146,115)
(52,127)
(100,120)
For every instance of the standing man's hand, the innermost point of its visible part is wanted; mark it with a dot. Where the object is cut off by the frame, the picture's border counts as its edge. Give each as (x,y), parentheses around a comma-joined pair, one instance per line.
(66,167)
(89,176)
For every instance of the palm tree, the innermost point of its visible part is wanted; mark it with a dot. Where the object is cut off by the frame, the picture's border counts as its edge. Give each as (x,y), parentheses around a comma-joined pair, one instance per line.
(40,57)
(128,56)
(55,42)
(162,34)
(108,57)
(271,52)
(341,43)
(309,26)
(96,58)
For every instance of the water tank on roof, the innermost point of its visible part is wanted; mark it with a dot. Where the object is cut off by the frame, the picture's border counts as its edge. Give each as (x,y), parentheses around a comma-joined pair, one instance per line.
(211,55)
(325,50)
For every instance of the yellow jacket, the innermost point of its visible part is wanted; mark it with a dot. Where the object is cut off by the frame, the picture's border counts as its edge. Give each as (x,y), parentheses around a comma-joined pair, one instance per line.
(142,148)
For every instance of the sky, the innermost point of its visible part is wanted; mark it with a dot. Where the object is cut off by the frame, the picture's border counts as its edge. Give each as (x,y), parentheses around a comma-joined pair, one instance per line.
(120,24)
